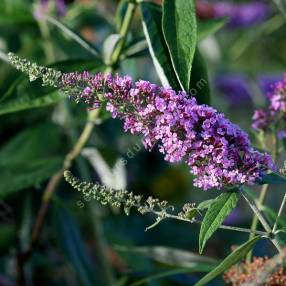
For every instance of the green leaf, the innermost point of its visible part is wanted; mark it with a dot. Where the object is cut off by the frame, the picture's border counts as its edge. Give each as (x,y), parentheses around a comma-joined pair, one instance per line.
(27,160)
(120,12)
(15,13)
(151,21)
(73,246)
(238,254)
(219,209)
(26,102)
(209,27)
(31,144)
(173,257)
(273,179)
(30,174)
(180,32)
(199,83)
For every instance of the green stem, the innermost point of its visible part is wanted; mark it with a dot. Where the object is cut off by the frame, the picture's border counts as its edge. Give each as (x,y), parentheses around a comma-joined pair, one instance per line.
(279,214)
(263,193)
(123,32)
(263,221)
(255,220)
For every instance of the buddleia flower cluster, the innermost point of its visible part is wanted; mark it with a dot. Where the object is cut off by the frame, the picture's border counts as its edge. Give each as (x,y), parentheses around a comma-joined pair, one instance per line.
(275,113)
(217,151)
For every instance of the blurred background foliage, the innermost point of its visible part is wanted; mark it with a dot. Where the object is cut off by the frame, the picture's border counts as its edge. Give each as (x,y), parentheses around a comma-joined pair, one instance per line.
(38,128)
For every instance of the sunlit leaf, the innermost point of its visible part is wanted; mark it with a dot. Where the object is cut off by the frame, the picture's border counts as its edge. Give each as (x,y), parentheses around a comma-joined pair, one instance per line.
(151,20)
(180,32)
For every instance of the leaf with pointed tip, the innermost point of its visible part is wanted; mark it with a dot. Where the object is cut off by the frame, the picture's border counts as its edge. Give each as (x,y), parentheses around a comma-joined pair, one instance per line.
(238,254)
(180,31)
(219,209)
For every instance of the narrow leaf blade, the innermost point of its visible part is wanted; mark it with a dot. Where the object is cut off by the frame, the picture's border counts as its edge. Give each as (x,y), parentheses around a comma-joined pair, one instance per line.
(151,21)
(180,32)
(219,209)
(230,260)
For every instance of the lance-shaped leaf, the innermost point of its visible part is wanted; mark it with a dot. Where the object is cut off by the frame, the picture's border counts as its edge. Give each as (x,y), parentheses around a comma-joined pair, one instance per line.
(180,31)
(230,260)
(151,21)
(219,209)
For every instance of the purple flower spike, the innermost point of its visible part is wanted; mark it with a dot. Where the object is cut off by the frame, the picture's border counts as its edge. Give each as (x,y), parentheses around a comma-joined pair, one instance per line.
(217,151)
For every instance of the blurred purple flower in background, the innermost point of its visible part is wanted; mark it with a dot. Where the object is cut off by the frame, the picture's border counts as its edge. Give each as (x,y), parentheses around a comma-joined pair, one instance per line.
(61,7)
(267,82)
(275,111)
(235,87)
(242,15)
(44,7)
